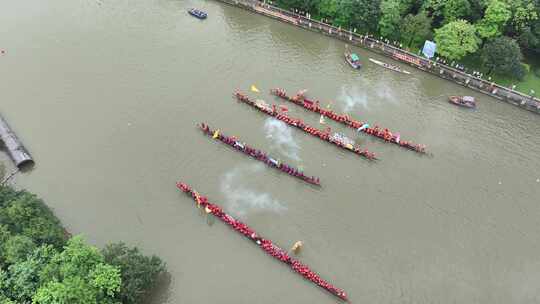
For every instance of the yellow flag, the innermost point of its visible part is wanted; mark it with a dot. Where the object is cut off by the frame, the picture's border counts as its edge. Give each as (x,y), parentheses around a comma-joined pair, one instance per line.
(254,89)
(297,246)
(216,134)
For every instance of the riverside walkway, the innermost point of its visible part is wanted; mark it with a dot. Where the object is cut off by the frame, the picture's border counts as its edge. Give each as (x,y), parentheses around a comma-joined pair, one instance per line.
(492,89)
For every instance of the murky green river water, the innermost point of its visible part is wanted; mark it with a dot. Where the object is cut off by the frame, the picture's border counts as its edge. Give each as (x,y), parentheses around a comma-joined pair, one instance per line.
(106,94)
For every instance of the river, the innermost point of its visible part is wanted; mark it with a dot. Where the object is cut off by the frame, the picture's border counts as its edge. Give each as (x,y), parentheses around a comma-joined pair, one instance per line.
(106,95)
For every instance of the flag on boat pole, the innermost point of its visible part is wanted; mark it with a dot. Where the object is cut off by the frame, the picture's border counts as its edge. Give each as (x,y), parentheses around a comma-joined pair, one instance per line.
(254,89)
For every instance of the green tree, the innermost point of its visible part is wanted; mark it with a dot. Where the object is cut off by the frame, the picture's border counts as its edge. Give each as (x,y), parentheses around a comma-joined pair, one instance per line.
(139,273)
(17,248)
(305,5)
(456,9)
(24,276)
(360,14)
(434,10)
(477,10)
(529,37)
(390,18)
(328,8)
(25,214)
(524,13)
(409,6)
(525,24)
(71,290)
(456,39)
(4,234)
(502,56)
(7,194)
(415,29)
(495,18)
(78,274)
(4,284)
(106,278)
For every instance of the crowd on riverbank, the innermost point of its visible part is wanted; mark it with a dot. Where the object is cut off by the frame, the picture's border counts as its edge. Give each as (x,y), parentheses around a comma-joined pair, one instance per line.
(436,67)
(491,37)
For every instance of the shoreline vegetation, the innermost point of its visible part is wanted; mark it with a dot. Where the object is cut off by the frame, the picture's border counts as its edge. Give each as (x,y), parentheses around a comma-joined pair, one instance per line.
(497,40)
(41,263)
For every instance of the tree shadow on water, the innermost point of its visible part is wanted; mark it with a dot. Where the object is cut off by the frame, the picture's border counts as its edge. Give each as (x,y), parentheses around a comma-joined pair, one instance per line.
(162,292)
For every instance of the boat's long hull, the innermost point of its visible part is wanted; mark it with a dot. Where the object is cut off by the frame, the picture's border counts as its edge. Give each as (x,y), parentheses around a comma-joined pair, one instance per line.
(265,244)
(389,66)
(380,133)
(258,155)
(298,123)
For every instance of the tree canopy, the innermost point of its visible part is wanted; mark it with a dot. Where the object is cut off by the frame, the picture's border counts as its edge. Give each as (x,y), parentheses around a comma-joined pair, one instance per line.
(139,272)
(415,29)
(460,27)
(495,18)
(456,39)
(503,56)
(455,9)
(390,18)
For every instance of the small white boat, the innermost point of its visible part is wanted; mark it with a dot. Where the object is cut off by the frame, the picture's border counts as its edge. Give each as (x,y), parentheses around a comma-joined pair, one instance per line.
(392,67)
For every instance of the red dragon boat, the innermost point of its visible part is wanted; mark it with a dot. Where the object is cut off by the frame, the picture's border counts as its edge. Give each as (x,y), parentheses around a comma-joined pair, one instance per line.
(384,134)
(335,139)
(265,244)
(258,155)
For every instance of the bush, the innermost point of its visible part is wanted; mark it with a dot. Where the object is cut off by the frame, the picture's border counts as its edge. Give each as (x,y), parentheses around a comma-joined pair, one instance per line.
(17,248)
(537,72)
(519,71)
(139,272)
(502,56)
(23,213)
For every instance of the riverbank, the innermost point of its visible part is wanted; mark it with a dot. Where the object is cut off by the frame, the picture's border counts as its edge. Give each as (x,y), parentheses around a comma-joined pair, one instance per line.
(40,262)
(443,71)
(125,100)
